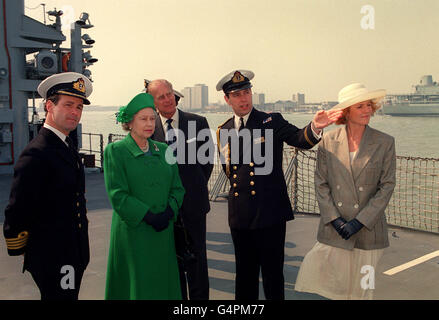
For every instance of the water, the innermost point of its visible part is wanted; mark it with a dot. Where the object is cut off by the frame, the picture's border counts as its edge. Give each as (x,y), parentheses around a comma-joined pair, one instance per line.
(414,203)
(414,136)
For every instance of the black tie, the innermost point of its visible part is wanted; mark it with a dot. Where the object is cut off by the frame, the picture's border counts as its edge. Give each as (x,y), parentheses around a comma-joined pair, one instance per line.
(73,149)
(170,140)
(241,123)
(241,141)
(70,143)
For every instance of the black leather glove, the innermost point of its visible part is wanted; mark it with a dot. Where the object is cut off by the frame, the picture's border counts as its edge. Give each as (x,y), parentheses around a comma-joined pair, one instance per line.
(351,228)
(168,212)
(338,224)
(159,221)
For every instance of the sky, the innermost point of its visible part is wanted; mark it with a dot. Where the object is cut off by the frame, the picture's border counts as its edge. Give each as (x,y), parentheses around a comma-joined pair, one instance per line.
(315,47)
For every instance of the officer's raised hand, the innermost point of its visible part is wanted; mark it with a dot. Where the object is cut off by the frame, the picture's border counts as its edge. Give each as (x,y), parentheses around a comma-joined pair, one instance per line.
(323,118)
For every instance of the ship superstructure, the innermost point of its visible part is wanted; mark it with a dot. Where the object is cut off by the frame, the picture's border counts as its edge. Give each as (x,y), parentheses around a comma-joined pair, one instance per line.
(30,51)
(423,102)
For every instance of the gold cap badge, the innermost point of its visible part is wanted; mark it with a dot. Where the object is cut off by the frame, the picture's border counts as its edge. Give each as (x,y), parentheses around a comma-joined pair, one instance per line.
(79,85)
(237,77)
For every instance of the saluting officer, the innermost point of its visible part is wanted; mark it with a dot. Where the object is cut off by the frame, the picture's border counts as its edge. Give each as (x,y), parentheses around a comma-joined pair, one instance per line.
(46,216)
(258,203)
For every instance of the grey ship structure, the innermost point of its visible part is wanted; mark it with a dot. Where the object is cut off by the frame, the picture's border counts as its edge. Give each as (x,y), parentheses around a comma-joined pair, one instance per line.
(30,51)
(423,102)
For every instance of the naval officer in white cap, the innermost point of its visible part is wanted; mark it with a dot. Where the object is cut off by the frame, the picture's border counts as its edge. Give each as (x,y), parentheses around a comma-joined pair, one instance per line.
(45,219)
(259,206)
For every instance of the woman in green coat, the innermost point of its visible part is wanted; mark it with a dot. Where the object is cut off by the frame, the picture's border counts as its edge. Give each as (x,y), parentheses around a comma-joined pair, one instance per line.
(146,193)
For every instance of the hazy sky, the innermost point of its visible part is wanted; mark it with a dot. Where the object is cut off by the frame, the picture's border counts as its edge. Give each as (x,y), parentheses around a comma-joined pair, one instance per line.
(314,47)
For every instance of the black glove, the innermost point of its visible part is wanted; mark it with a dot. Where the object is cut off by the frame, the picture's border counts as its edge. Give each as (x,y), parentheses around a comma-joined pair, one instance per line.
(351,228)
(169,213)
(159,221)
(338,224)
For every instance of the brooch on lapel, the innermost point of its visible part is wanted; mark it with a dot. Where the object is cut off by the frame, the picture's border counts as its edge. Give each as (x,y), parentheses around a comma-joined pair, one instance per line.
(156,148)
(267,120)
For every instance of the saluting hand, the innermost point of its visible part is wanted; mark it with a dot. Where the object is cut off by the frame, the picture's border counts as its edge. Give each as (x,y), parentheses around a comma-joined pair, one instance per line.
(323,118)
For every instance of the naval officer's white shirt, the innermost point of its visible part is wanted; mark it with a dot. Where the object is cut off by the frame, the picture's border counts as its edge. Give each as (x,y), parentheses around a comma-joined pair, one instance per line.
(237,120)
(61,135)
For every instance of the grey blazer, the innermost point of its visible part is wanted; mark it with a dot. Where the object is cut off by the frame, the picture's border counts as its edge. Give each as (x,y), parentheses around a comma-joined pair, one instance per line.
(360,191)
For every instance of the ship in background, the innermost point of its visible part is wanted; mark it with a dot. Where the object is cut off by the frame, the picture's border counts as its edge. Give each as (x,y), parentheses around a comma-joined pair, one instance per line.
(423,102)
(30,51)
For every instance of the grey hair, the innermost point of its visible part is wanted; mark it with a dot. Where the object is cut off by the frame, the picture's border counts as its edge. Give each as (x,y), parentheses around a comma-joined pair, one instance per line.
(154,83)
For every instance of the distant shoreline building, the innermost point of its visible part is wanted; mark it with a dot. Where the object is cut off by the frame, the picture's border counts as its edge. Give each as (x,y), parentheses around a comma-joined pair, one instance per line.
(195,98)
(258,99)
(299,98)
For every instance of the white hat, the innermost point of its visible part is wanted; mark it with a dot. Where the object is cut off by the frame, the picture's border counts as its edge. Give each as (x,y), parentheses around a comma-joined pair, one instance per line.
(355,93)
(67,83)
(235,81)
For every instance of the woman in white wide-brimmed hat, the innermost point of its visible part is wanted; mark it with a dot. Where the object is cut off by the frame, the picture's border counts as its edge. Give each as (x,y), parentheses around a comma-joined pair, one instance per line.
(354,180)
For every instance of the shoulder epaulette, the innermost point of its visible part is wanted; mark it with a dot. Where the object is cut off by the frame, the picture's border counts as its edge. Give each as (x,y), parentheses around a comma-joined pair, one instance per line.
(224,122)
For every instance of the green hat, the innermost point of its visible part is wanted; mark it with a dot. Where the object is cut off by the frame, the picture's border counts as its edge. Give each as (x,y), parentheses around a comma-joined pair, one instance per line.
(139,102)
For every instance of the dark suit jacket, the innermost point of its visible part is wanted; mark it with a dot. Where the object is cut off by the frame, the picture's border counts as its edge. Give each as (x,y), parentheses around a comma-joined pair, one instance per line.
(194,175)
(46,215)
(260,201)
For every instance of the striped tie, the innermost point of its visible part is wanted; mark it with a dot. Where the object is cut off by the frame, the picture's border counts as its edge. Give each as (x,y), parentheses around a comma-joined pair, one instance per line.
(170,139)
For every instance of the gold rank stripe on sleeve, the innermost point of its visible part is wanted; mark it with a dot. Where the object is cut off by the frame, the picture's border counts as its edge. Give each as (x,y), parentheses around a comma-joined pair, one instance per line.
(306,136)
(19,242)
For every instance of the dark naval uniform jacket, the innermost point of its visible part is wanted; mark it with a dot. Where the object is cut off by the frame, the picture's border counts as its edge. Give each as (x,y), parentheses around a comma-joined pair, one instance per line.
(46,216)
(260,201)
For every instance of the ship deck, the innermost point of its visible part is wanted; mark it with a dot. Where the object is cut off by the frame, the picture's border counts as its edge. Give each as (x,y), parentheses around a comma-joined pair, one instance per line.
(418,281)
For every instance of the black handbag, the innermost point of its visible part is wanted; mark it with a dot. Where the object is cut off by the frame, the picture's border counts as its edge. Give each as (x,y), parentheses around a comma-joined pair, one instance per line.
(183,243)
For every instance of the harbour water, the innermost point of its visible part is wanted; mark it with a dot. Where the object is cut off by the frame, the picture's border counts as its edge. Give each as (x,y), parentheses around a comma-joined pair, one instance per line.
(414,136)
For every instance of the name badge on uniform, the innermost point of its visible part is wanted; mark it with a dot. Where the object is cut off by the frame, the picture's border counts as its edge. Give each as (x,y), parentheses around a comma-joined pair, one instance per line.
(259,140)
(267,120)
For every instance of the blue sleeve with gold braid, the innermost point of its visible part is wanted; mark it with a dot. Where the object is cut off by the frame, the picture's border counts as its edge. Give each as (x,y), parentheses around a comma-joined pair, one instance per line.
(29,172)
(16,245)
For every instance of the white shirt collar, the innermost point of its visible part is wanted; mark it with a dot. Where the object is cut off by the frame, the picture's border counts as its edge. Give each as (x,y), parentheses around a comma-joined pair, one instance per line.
(61,135)
(237,120)
(174,122)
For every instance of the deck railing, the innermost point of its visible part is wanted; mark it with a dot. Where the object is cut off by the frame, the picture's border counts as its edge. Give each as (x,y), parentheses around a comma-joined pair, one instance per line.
(92,150)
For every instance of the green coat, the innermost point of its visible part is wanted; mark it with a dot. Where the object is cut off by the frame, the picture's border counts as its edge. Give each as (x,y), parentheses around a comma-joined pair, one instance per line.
(142,263)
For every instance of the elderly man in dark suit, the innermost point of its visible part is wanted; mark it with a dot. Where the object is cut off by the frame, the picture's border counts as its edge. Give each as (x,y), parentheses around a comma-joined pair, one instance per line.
(45,219)
(251,144)
(195,168)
